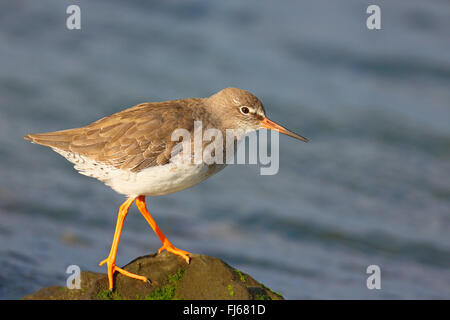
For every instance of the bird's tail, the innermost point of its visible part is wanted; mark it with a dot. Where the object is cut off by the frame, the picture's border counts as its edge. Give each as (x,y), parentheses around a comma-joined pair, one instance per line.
(56,139)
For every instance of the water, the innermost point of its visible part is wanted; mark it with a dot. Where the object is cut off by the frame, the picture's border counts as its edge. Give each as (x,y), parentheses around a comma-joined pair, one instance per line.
(371,188)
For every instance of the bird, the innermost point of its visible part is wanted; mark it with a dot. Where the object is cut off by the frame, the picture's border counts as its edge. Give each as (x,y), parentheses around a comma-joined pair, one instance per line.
(134,153)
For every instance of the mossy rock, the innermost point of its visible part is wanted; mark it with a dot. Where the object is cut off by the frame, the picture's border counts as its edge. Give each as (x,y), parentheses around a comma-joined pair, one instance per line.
(204,278)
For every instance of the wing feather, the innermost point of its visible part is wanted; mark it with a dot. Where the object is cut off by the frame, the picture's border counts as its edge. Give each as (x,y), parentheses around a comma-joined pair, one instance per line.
(134,139)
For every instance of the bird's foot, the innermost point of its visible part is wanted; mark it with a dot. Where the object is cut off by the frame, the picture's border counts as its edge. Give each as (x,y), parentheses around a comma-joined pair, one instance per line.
(171,248)
(113,268)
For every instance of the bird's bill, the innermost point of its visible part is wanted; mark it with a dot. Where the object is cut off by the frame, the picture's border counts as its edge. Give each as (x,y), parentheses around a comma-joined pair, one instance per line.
(269,124)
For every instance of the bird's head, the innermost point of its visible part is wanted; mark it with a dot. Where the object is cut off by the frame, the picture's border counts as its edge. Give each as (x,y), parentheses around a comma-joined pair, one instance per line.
(242,110)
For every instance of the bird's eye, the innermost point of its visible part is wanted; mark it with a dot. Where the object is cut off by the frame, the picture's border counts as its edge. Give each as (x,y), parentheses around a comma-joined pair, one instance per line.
(245,110)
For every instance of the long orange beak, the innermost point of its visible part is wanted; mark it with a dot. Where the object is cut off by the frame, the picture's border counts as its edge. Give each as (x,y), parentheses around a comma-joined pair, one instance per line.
(269,124)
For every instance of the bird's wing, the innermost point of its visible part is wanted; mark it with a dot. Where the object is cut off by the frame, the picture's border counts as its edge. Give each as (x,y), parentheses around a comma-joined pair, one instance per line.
(133,139)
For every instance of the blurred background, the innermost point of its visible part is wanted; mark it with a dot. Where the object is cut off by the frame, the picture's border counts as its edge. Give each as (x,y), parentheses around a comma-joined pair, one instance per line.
(371,188)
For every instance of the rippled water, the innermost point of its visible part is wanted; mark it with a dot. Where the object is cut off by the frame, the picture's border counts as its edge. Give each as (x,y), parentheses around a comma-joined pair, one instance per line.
(372,186)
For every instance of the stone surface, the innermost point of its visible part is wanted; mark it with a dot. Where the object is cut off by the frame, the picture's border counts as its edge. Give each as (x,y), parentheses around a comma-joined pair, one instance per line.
(204,278)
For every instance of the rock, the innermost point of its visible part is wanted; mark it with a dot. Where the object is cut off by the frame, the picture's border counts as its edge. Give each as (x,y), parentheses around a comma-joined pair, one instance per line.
(204,278)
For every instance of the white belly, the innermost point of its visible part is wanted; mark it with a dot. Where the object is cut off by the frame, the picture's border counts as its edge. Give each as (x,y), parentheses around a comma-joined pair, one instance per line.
(153,181)
(157,181)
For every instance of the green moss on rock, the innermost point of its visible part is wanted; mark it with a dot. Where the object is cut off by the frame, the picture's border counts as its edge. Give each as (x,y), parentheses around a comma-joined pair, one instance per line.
(262,297)
(168,291)
(274,292)
(230,290)
(174,278)
(165,293)
(108,295)
(240,275)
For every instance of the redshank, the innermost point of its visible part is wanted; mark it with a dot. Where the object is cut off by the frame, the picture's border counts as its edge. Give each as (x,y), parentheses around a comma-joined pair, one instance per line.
(132,151)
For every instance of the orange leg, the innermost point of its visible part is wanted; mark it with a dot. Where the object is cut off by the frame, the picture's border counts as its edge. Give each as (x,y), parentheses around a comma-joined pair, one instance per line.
(167,245)
(111,260)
